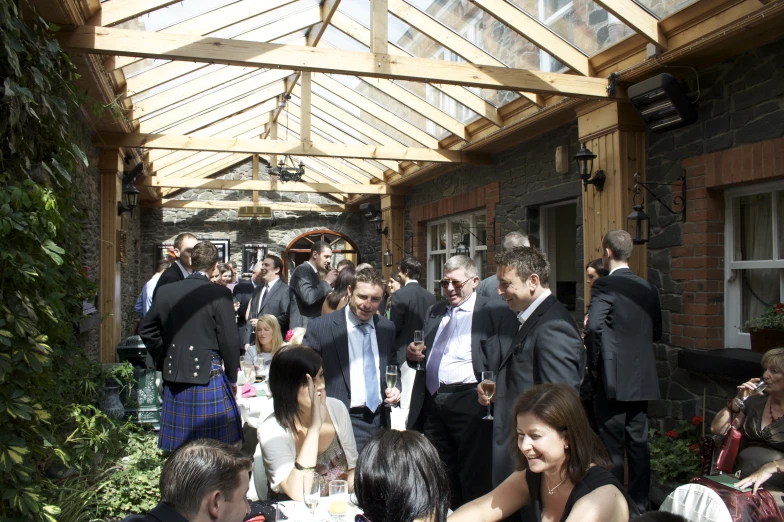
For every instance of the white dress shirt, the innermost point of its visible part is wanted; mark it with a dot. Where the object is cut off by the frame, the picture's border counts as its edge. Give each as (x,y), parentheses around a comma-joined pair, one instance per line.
(356,357)
(617,268)
(528,312)
(149,288)
(313,267)
(457,364)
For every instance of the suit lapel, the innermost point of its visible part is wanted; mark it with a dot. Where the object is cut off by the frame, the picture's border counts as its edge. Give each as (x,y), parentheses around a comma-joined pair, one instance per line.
(431,327)
(340,341)
(275,290)
(527,327)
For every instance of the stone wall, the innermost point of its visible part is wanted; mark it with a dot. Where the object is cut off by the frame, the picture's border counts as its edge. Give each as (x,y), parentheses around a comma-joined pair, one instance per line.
(741,121)
(162,225)
(526,180)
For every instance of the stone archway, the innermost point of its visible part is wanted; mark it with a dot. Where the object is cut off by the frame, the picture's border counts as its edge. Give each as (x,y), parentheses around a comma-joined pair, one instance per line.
(298,249)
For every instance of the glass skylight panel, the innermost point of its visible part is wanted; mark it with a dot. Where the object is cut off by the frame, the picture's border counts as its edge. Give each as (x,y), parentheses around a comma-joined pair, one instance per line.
(440,100)
(340,40)
(664,8)
(359,10)
(583,23)
(160,19)
(265,19)
(178,81)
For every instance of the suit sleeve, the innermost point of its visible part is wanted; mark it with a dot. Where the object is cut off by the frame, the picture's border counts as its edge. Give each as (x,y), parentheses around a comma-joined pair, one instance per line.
(165,279)
(601,305)
(228,336)
(657,318)
(309,293)
(285,305)
(397,312)
(559,353)
(151,332)
(311,338)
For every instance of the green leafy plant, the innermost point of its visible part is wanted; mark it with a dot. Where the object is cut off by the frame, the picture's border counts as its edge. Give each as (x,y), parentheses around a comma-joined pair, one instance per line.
(675,454)
(771,319)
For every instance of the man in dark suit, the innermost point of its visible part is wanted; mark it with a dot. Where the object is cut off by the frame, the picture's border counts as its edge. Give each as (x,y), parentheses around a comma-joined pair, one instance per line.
(191,335)
(443,401)
(409,306)
(356,345)
(545,345)
(623,323)
(243,293)
(308,291)
(272,297)
(488,287)
(181,268)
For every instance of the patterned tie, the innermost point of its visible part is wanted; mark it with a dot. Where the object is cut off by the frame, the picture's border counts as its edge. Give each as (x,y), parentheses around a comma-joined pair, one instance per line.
(372,393)
(433,364)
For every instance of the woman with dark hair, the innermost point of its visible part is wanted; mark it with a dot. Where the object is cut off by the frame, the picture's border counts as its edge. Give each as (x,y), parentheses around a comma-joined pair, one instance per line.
(400,478)
(226,273)
(393,285)
(307,431)
(338,297)
(562,467)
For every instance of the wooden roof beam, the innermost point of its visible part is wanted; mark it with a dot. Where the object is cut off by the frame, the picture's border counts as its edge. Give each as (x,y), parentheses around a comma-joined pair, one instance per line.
(100,40)
(118,11)
(334,150)
(229,205)
(272,185)
(638,19)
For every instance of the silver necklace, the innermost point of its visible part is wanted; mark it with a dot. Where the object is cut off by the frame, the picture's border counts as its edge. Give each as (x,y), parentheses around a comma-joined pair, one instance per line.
(551,491)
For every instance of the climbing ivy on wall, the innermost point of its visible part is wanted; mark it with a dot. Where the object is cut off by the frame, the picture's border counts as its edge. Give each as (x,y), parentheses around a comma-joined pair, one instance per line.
(46,382)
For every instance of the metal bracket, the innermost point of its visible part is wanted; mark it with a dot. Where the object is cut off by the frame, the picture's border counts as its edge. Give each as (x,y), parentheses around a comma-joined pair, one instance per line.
(676,199)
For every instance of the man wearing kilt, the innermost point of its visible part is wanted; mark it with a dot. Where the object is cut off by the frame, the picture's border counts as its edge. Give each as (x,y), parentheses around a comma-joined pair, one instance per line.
(191,334)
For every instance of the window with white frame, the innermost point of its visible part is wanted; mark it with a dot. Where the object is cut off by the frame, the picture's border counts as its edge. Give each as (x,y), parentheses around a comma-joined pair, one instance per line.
(443,237)
(754,257)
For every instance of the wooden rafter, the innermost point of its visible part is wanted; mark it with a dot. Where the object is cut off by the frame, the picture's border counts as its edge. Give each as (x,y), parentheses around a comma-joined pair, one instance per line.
(119,11)
(379,31)
(638,19)
(101,40)
(262,185)
(335,150)
(224,205)
(537,33)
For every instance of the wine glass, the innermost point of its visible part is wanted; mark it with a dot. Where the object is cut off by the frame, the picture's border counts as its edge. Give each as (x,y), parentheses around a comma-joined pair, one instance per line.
(338,499)
(391,378)
(488,388)
(249,369)
(761,385)
(311,491)
(419,342)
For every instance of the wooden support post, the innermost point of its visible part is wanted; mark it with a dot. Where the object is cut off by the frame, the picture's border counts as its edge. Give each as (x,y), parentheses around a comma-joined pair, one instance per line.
(273,135)
(378,26)
(304,119)
(111,167)
(255,193)
(615,133)
(393,212)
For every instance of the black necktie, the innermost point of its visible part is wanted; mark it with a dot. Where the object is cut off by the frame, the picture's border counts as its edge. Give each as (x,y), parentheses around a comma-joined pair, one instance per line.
(264,294)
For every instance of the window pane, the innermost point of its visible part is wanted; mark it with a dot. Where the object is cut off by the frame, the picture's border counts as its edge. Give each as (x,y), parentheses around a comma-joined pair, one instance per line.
(481,263)
(434,237)
(780,221)
(442,237)
(438,270)
(481,230)
(664,8)
(756,228)
(759,290)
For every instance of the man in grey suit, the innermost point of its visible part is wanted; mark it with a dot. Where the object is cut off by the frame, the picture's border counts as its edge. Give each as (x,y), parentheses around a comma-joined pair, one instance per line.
(271,297)
(488,287)
(542,345)
(356,345)
(624,320)
(409,306)
(308,291)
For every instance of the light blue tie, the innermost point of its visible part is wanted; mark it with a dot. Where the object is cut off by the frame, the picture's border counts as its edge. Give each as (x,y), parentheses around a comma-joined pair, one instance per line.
(372,393)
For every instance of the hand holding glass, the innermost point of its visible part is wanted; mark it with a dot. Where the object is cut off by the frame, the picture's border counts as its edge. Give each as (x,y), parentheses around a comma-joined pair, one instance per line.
(391,379)
(419,341)
(338,498)
(488,388)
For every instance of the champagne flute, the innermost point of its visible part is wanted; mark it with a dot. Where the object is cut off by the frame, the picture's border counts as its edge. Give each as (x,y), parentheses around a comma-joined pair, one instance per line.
(311,491)
(338,499)
(488,388)
(761,385)
(391,378)
(419,342)
(248,369)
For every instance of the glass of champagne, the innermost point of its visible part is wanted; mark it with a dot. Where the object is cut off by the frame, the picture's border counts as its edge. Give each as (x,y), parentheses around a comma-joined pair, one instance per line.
(249,369)
(419,342)
(311,491)
(488,388)
(391,378)
(761,385)
(338,499)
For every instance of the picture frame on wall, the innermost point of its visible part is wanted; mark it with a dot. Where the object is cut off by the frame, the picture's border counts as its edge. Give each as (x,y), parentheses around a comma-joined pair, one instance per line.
(223,246)
(250,255)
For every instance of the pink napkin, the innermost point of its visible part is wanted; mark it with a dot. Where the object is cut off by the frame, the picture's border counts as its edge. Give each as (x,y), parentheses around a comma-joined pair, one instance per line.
(248,390)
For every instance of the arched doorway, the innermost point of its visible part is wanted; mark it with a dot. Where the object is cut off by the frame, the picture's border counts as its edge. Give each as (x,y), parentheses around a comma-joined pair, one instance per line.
(298,250)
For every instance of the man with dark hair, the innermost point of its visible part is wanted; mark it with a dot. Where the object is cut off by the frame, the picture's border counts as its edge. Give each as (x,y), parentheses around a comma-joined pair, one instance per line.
(345,263)
(443,400)
(624,322)
(543,344)
(243,293)
(202,480)
(181,268)
(270,298)
(488,287)
(191,335)
(144,301)
(356,345)
(409,306)
(308,291)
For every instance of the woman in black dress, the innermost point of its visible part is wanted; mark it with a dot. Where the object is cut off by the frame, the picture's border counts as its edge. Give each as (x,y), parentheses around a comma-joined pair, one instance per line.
(562,467)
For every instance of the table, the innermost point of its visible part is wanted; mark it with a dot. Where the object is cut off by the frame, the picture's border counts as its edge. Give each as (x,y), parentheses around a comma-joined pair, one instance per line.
(298,512)
(254,410)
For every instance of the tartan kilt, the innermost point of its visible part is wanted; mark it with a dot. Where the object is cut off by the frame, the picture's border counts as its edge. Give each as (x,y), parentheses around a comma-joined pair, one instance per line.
(195,411)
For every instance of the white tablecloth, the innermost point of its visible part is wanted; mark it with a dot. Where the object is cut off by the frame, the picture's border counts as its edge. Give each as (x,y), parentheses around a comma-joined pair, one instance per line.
(299,512)
(252,409)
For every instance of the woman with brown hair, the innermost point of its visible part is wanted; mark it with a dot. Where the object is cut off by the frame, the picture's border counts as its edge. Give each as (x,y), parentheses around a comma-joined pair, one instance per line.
(562,467)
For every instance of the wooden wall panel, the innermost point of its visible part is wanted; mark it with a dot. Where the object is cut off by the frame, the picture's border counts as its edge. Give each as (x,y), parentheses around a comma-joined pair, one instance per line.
(111,167)
(393,212)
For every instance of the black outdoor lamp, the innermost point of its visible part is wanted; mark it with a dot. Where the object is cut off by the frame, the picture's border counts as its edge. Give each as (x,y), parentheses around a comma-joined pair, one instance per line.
(373,215)
(637,222)
(584,159)
(462,248)
(388,258)
(130,194)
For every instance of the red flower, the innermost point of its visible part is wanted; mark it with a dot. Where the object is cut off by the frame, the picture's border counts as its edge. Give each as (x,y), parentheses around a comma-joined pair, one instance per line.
(693,447)
(289,335)
(696,420)
(672,434)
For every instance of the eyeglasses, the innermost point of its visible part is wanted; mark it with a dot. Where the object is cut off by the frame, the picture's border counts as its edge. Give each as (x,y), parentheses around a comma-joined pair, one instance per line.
(456,284)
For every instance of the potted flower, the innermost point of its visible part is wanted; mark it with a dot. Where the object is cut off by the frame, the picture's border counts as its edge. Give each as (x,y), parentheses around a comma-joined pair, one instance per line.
(675,457)
(767,330)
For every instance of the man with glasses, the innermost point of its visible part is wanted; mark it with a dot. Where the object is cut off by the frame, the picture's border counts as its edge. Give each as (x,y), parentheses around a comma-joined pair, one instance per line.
(443,401)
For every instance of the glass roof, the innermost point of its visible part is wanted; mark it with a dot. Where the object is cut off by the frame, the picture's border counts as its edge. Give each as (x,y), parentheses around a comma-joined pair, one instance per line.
(664,8)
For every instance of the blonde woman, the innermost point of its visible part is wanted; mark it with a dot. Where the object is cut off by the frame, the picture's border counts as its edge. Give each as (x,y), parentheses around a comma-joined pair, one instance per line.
(268,342)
